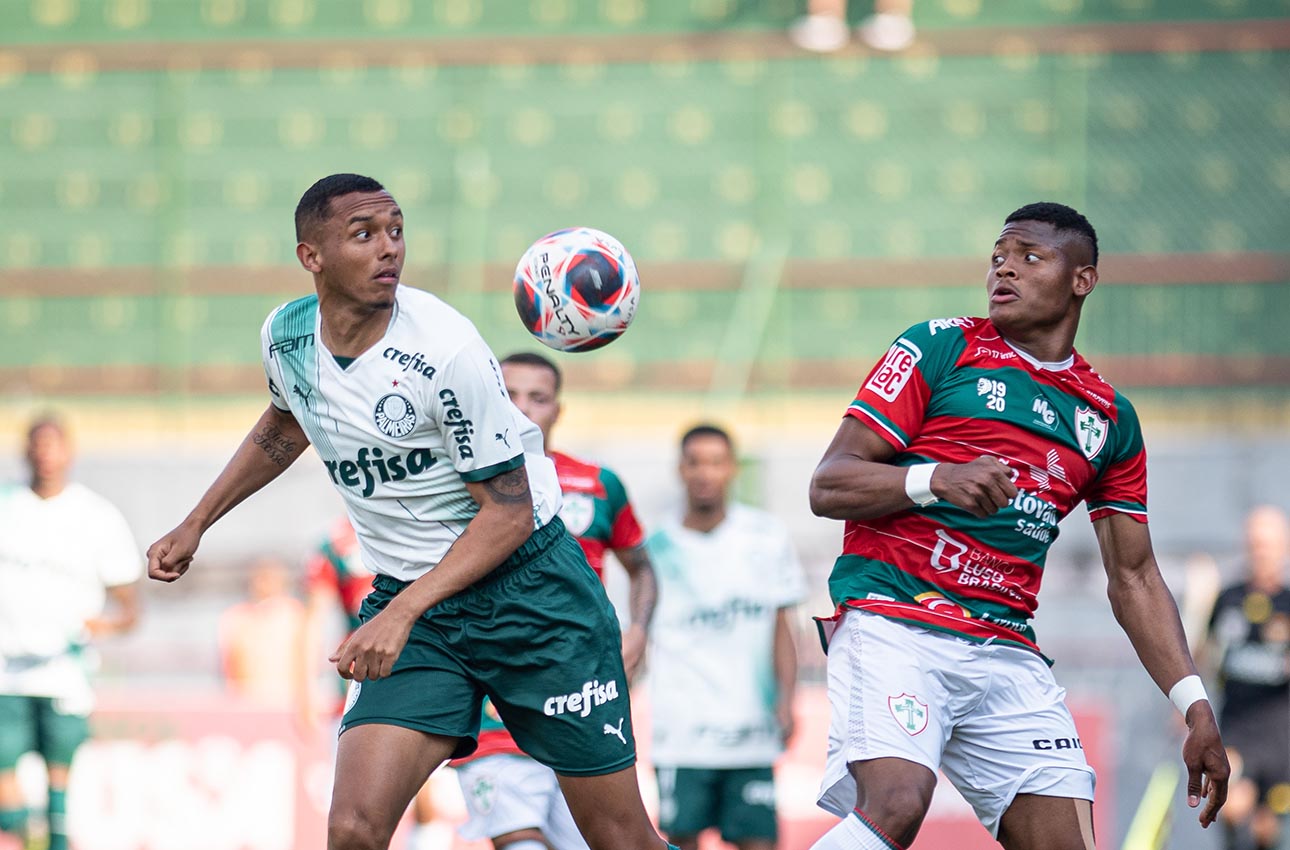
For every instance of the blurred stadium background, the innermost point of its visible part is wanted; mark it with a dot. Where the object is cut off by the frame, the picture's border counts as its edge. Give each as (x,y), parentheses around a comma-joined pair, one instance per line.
(790,213)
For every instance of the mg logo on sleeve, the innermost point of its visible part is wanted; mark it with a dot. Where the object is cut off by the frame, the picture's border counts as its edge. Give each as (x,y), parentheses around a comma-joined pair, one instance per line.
(910,712)
(1090,431)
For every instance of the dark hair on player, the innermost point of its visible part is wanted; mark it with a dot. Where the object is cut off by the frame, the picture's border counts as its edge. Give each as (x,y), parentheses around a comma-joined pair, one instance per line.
(315,203)
(47,419)
(707,429)
(528,358)
(1061,217)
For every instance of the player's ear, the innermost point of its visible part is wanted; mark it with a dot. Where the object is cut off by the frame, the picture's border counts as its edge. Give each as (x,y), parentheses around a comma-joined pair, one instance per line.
(308,256)
(1085,280)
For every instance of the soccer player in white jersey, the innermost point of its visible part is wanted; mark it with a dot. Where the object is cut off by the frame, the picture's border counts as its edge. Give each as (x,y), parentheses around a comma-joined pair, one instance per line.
(65,552)
(479,589)
(724,665)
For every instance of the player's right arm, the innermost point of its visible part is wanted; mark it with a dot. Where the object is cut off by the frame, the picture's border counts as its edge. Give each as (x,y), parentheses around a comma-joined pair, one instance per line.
(856,480)
(272,445)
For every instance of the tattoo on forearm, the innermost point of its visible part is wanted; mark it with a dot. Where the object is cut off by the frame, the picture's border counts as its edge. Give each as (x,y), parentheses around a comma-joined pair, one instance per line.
(509,487)
(280,448)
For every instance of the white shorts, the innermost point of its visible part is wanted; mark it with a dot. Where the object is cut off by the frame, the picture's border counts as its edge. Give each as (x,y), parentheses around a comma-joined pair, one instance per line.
(990,716)
(505,793)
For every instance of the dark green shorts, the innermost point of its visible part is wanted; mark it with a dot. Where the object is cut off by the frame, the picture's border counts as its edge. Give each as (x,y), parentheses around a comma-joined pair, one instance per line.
(36,725)
(539,637)
(738,801)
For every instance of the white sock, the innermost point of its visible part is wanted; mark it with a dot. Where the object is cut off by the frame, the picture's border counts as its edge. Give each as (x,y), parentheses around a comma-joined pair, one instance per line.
(852,833)
(526,844)
(430,836)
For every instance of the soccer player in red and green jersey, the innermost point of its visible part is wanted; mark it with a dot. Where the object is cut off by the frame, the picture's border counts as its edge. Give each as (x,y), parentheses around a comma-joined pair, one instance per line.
(963,449)
(596,509)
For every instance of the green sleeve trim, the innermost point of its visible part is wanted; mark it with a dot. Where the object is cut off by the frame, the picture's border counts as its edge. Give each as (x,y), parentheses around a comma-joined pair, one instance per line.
(487,472)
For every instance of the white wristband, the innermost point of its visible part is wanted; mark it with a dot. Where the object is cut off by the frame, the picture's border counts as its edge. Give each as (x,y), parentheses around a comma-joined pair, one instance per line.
(918,484)
(1186,691)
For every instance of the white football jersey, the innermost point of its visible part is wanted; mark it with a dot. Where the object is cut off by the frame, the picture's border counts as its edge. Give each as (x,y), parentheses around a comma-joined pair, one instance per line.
(57,557)
(712,681)
(405,425)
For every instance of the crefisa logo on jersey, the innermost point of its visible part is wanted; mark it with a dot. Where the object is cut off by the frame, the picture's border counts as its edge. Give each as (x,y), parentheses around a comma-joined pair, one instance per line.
(461,429)
(394,415)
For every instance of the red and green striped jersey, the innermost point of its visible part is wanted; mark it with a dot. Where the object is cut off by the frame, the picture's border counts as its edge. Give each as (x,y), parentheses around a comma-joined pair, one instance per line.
(597,512)
(952,390)
(596,509)
(336,566)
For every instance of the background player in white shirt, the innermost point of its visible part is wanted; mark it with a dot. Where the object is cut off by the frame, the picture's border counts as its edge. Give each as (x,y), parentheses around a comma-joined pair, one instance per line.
(724,666)
(64,552)
(479,590)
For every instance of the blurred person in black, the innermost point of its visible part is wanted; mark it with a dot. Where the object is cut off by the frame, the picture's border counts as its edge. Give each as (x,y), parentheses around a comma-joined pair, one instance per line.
(1249,633)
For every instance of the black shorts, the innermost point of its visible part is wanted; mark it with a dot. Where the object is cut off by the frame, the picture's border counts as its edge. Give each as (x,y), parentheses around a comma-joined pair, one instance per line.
(1263,742)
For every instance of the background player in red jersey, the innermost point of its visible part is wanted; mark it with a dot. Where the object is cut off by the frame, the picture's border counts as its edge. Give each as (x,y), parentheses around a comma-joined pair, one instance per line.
(512,799)
(596,509)
(965,446)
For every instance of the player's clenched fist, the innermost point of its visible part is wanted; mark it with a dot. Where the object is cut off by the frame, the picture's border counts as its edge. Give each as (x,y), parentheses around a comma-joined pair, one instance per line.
(980,487)
(370,652)
(170,557)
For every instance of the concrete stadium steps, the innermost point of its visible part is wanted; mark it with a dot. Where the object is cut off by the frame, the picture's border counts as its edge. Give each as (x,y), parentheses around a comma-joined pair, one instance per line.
(228,20)
(878,159)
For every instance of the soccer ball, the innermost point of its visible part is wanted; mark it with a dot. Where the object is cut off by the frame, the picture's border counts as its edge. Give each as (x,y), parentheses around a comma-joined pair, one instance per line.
(576,289)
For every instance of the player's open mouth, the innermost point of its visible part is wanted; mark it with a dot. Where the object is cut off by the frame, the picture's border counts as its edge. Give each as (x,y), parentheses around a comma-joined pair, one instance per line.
(1003,294)
(388,276)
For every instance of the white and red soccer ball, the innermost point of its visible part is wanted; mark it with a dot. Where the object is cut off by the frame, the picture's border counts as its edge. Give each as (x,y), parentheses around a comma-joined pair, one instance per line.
(576,289)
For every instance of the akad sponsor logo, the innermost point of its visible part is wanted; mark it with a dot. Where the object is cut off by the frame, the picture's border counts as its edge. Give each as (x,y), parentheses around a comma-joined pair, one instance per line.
(593,693)
(373,465)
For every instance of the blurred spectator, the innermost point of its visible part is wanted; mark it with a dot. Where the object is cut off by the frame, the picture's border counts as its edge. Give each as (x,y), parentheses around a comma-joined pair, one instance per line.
(65,552)
(1250,636)
(824,26)
(724,666)
(336,582)
(258,637)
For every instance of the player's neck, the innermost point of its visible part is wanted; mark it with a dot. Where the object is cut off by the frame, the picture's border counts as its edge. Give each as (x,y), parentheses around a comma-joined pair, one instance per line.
(348,330)
(48,488)
(703,518)
(1045,346)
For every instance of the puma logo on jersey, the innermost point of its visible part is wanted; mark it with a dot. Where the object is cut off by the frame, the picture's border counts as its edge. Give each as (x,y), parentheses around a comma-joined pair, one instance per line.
(610,730)
(305,395)
(581,702)
(373,465)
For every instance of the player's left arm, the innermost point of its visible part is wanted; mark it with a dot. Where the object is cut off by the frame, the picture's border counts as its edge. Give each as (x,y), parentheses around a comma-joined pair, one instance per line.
(784,662)
(504,522)
(642,597)
(1145,609)
(122,614)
